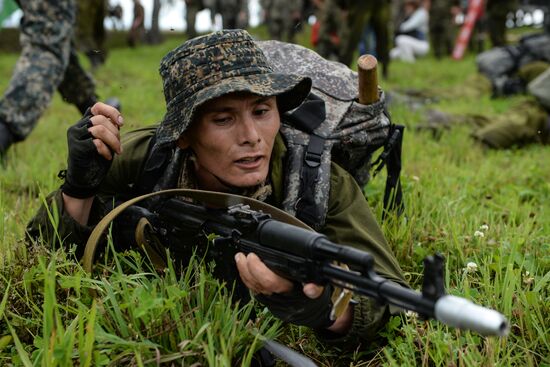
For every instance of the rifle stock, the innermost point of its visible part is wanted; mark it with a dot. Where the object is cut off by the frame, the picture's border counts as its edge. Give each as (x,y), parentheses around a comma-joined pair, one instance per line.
(307,256)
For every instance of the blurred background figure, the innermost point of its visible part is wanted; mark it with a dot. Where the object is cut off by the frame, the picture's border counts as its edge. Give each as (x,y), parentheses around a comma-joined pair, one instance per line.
(282,18)
(479,37)
(244,15)
(411,36)
(192,7)
(497,13)
(234,13)
(212,6)
(114,14)
(48,61)
(347,26)
(331,27)
(90,32)
(442,26)
(137,29)
(365,16)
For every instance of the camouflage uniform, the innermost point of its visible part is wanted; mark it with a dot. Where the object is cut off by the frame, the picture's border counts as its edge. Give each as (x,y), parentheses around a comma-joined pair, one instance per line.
(442,27)
(234,13)
(90,32)
(48,60)
(192,7)
(282,18)
(189,82)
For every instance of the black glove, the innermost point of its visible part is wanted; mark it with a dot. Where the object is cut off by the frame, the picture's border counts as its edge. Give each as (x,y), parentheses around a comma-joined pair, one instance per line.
(295,307)
(86,169)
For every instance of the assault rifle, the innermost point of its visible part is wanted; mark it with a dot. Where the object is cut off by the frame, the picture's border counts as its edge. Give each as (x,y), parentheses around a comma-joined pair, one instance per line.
(292,251)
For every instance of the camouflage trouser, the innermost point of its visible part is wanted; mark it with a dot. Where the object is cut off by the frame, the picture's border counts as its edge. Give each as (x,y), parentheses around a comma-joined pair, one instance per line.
(48,61)
(378,15)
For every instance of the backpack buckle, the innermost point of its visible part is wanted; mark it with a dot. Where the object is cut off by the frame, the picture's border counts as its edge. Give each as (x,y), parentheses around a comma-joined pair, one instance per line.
(314,151)
(312,159)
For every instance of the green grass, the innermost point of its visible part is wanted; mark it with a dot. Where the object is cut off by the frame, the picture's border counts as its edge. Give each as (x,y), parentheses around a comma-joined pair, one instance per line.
(451,187)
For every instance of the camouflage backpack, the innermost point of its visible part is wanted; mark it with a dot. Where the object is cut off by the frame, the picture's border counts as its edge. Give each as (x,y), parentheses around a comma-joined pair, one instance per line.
(329,125)
(332,125)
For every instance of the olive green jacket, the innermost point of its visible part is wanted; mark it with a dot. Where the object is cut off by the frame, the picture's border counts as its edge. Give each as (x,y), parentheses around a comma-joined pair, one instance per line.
(349,220)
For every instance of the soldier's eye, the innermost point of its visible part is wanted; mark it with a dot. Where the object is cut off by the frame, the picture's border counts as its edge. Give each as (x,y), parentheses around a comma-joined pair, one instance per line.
(221,120)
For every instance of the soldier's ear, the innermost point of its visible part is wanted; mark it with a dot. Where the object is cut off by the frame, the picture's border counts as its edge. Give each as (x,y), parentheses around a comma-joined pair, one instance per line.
(183,142)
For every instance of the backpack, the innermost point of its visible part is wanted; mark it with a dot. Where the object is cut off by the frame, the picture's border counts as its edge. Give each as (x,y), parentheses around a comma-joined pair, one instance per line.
(329,126)
(332,126)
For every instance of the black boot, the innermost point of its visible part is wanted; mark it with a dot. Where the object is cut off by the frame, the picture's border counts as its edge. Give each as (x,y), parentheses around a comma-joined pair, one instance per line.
(6,139)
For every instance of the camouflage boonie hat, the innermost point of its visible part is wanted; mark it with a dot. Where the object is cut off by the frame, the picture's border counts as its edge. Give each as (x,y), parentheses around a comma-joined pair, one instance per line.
(216,64)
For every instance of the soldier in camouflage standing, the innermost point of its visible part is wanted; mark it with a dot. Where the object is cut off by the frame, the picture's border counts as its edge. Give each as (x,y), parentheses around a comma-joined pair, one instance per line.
(48,61)
(192,7)
(234,13)
(282,18)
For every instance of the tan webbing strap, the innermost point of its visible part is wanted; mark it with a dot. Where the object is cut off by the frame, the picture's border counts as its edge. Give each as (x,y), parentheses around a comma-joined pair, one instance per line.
(149,242)
(207,197)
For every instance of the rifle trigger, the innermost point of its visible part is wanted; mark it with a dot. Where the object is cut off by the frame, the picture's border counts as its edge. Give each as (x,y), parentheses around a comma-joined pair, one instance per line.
(236,236)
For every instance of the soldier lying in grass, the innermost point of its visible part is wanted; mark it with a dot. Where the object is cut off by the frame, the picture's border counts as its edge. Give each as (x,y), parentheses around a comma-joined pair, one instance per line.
(220,133)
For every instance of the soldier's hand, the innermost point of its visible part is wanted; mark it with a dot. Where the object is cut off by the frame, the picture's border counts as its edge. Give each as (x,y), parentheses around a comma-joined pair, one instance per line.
(309,306)
(92,142)
(258,277)
(105,125)
(261,280)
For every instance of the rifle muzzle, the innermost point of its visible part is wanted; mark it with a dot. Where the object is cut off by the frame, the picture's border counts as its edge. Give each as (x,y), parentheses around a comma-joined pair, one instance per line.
(463,314)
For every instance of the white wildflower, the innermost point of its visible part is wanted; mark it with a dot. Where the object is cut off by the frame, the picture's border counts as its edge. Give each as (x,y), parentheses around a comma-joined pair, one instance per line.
(479,234)
(471,267)
(415,178)
(527,279)
(484,227)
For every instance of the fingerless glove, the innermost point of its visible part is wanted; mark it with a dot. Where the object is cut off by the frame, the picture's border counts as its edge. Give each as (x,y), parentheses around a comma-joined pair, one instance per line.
(295,307)
(86,168)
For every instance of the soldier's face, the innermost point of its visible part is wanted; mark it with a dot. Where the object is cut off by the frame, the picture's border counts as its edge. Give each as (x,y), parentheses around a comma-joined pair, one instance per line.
(232,137)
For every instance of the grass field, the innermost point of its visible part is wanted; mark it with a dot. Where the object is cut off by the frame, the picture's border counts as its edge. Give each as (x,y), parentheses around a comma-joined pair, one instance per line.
(490,208)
